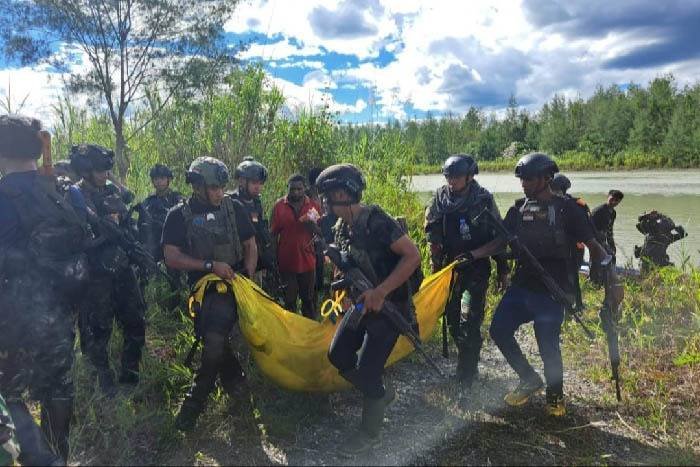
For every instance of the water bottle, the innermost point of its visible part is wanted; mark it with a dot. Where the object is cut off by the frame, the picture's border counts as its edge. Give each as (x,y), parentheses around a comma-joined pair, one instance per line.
(464,230)
(464,308)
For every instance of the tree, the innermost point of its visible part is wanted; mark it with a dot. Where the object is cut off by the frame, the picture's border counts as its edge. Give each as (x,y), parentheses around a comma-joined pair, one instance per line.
(653,110)
(164,46)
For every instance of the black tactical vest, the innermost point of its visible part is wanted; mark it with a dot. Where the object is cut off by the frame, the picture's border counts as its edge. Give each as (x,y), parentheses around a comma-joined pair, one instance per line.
(375,261)
(213,235)
(55,237)
(541,228)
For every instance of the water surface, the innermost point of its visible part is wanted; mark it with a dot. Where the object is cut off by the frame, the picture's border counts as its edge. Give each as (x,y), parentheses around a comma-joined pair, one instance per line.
(676,193)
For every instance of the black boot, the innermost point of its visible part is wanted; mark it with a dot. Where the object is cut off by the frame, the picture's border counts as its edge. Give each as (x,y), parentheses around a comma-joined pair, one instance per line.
(35,449)
(129,376)
(105,378)
(186,419)
(468,362)
(368,437)
(55,423)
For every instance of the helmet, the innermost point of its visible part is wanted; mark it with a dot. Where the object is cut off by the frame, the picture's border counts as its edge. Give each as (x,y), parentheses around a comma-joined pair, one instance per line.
(344,176)
(252,170)
(560,182)
(207,171)
(89,157)
(159,170)
(535,164)
(460,164)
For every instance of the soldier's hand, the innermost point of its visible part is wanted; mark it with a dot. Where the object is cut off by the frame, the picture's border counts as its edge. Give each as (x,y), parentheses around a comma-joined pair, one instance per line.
(502,282)
(372,299)
(223,270)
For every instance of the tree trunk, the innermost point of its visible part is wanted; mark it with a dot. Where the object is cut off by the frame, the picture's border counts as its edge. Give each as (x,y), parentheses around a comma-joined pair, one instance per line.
(122,159)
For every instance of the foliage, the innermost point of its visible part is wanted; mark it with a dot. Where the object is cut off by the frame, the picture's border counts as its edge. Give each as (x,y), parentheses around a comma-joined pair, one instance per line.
(165,46)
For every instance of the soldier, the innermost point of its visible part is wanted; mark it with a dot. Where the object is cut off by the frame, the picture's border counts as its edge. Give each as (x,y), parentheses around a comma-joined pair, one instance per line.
(451,232)
(547,225)
(113,292)
(251,176)
(604,219)
(211,233)
(42,261)
(157,205)
(9,447)
(560,185)
(381,249)
(659,232)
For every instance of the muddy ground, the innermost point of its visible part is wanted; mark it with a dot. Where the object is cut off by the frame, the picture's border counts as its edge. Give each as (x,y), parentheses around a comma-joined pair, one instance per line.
(434,422)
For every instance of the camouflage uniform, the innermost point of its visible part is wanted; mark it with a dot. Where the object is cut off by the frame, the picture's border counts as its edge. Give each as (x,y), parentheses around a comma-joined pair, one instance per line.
(113,292)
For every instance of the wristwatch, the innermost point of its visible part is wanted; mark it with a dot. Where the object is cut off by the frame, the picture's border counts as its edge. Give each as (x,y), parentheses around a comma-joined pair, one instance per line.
(209,265)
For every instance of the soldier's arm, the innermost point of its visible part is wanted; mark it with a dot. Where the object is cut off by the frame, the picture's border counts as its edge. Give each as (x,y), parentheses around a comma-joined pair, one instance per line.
(175,258)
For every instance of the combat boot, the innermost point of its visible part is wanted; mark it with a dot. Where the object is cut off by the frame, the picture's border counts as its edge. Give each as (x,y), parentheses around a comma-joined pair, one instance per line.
(556,407)
(129,377)
(35,449)
(525,389)
(368,436)
(186,419)
(56,415)
(467,367)
(106,382)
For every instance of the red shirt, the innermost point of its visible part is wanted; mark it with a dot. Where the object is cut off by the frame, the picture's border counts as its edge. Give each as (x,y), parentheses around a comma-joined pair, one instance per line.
(295,250)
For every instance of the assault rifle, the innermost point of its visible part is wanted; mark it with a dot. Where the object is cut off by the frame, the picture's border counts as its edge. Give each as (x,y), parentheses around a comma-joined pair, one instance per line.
(609,315)
(355,283)
(548,281)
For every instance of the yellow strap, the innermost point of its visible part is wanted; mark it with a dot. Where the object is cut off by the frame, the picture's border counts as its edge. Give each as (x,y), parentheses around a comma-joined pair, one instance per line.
(333,305)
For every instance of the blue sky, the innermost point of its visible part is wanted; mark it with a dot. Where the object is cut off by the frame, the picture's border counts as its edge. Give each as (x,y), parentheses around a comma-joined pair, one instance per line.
(374,60)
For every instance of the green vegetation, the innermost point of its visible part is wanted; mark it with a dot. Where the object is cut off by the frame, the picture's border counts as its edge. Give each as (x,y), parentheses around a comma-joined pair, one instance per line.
(661,321)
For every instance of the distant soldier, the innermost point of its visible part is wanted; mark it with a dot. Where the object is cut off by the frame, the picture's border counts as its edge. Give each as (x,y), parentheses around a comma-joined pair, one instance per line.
(42,264)
(251,176)
(452,232)
(659,232)
(211,233)
(157,205)
(604,219)
(113,291)
(560,185)
(377,244)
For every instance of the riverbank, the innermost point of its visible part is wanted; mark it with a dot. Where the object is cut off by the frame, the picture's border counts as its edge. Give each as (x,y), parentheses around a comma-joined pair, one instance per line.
(576,161)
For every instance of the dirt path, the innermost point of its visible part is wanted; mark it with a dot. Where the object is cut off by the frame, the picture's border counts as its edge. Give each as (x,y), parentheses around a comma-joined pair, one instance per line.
(433,422)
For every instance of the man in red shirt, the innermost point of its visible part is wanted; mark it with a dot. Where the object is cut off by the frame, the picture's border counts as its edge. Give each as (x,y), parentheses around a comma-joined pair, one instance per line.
(294,220)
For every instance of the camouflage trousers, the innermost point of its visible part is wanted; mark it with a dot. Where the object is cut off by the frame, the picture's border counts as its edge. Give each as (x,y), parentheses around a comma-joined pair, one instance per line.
(107,298)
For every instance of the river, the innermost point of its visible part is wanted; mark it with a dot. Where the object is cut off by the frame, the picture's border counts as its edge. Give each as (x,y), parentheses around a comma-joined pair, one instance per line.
(675,193)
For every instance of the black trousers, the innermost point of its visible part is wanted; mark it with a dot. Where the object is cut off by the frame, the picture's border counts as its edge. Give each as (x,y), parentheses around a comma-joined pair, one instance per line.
(375,338)
(303,286)
(215,323)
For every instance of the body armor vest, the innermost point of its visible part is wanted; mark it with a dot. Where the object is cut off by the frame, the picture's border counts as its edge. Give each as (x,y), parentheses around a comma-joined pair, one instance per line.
(55,237)
(376,262)
(541,229)
(213,235)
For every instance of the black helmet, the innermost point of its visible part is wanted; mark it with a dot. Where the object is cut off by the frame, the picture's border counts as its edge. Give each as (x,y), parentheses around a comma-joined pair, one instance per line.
(251,170)
(560,182)
(88,157)
(535,164)
(207,171)
(160,170)
(460,164)
(344,176)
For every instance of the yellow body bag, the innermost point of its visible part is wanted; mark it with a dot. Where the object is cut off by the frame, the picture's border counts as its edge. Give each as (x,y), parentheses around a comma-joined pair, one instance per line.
(291,350)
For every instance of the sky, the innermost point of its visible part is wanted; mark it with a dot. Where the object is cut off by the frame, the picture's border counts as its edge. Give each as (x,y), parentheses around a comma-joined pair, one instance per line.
(376,60)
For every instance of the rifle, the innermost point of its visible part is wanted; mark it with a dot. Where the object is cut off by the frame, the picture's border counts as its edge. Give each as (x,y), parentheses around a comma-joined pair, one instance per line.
(548,281)
(609,314)
(355,283)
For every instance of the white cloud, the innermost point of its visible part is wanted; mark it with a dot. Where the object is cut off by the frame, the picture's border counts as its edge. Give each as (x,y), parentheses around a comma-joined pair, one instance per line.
(280,50)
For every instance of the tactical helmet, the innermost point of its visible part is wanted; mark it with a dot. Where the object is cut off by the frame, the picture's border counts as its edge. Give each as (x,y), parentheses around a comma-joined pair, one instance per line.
(560,182)
(460,164)
(251,170)
(207,171)
(160,170)
(344,176)
(89,157)
(535,164)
